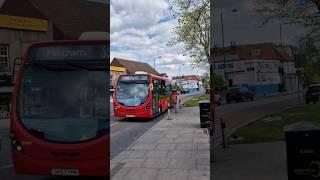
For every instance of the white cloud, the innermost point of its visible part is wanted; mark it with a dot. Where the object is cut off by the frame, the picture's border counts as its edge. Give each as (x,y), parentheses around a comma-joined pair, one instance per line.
(140,30)
(138,14)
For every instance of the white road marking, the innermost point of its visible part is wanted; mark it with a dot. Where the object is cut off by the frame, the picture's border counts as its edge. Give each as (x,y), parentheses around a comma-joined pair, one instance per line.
(113,124)
(6,166)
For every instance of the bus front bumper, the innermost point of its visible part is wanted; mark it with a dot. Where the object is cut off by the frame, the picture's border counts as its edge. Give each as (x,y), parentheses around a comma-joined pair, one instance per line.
(133,114)
(28,165)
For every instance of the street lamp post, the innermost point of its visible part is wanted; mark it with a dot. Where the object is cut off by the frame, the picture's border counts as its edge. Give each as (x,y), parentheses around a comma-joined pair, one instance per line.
(223,48)
(154,64)
(179,68)
(281,34)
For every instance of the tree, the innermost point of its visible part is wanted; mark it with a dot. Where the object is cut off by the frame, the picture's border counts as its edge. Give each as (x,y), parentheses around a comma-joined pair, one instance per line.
(310,61)
(218,81)
(301,12)
(192,29)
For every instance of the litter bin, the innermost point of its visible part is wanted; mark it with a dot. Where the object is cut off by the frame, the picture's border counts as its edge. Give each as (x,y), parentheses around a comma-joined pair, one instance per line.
(207,91)
(303,151)
(204,106)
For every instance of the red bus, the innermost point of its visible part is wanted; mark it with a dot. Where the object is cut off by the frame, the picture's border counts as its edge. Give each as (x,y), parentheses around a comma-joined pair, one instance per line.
(143,95)
(60,114)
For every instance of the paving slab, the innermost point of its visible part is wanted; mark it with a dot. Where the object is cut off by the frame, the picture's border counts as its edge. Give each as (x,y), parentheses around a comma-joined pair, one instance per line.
(172,174)
(143,146)
(164,146)
(137,154)
(170,150)
(182,163)
(135,174)
(156,163)
(156,153)
(263,161)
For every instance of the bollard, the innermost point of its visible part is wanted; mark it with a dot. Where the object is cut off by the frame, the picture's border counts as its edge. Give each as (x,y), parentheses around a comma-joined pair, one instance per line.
(179,103)
(223,126)
(169,113)
(175,108)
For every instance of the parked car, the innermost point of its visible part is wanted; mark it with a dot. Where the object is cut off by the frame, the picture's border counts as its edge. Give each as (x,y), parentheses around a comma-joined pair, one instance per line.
(218,99)
(312,93)
(184,91)
(239,94)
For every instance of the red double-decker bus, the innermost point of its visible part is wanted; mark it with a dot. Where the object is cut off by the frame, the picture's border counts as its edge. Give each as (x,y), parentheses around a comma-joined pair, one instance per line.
(143,95)
(60,113)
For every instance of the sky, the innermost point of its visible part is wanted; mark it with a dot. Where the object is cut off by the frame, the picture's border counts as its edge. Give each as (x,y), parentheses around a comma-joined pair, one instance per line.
(244,26)
(141,29)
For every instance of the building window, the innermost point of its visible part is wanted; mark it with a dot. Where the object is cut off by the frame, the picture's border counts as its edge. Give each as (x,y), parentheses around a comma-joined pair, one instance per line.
(250,69)
(4,56)
(256,52)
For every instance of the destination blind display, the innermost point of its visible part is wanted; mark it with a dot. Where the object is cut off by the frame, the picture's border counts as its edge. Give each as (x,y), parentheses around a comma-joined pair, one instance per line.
(73,52)
(133,78)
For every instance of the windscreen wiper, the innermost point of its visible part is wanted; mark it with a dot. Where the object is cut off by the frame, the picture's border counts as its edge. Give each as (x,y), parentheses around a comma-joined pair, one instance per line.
(50,67)
(83,66)
(37,133)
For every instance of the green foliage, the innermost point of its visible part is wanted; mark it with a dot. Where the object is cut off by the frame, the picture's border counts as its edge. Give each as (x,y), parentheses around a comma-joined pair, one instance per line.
(264,131)
(311,60)
(218,80)
(301,12)
(192,30)
(195,101)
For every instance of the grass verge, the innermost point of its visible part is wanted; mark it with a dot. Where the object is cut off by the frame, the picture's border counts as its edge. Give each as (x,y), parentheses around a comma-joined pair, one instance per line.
(195,101)
(271,128)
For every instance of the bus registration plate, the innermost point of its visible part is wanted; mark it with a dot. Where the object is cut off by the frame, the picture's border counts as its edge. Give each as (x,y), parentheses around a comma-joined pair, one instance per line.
(65,172)
(130,116)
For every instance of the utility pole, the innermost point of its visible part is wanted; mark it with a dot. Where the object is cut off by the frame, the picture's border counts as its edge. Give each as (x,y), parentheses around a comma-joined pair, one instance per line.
(223,48)
(223,51)
(281,35)
(154,64)
(212,85)
(179,68)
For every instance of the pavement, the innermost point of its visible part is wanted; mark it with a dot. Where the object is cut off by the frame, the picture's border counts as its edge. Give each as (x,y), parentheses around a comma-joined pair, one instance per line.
(259,161)
(126,131)
(179,149)
(171,150)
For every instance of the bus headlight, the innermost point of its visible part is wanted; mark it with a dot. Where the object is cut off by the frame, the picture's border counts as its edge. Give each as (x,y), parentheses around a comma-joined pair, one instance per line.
(147,107)
(19,148)
(15,143)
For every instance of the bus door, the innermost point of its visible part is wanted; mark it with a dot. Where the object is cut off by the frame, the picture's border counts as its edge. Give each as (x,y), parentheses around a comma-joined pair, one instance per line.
(155,97)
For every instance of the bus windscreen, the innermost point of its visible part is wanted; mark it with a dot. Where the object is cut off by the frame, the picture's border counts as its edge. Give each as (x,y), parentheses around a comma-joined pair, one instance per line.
(65,102)
(132,90)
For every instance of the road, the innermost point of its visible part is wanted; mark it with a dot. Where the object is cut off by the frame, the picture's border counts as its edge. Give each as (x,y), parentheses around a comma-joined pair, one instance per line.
(124,132)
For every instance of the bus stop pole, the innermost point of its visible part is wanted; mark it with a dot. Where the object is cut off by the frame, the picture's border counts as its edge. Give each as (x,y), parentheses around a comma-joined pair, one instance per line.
(212,85)
(169,113)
